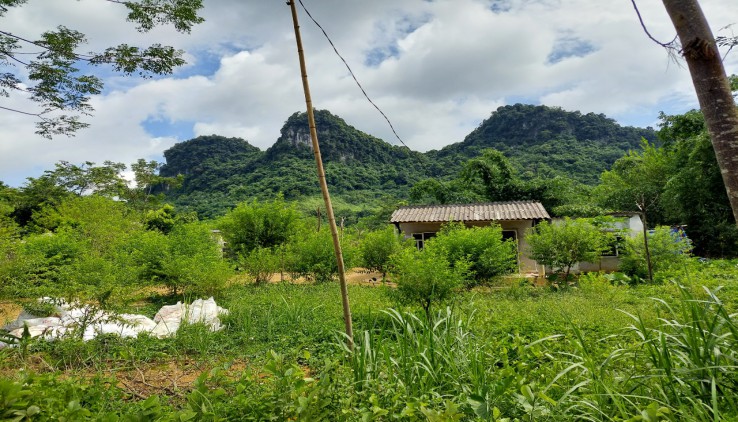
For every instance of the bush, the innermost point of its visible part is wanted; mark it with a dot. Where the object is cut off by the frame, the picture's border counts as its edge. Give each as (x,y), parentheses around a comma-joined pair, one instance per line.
(668,250)
(258,225)
(561,245)
(427,277)
(34,267)
(261,264)
(187,260)
(377,248)
(311,255)
(482,247)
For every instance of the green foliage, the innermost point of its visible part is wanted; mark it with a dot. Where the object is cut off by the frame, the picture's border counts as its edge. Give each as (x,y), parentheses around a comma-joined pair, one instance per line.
(547,152)
(679,183)
(191,263)
(695,193)
(546,142)
(377,248)
(34,268)
(482,248)
(426,277)
(258,225)
(493,175)
(668,250)
(147,182)
(56,83)
(262,263)
(560,245)
(162,219)
(636,182)
(310,254)
(98,247)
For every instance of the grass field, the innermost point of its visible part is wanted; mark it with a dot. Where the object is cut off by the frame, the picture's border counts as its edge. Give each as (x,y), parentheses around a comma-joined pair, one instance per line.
(516,352)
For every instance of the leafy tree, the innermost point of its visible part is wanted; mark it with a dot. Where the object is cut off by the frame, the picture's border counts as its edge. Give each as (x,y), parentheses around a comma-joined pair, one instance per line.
(668,249)
(187,260)
(480,248)
(712,86)
(105,180)
(493,176)
(147,181)
(378,247)
(258,225)
(102,222)
(563,244)
(636,182)
(434,191)
(53,62)
(695,193)
(192,263)
(36,266)
(426,277)
(35,194)
(310,254)
(162,219)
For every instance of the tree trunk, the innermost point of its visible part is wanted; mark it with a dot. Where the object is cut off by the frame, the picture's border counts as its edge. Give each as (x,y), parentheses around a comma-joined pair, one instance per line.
(712,87)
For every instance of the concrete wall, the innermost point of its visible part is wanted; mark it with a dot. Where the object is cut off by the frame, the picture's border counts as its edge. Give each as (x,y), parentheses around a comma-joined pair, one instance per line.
(525,264)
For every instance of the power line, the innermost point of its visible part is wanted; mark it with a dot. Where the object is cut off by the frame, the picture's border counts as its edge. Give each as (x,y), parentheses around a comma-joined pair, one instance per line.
(352,74)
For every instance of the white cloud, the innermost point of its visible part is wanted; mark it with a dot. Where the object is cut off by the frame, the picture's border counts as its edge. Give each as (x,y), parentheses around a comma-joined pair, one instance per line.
(446,65)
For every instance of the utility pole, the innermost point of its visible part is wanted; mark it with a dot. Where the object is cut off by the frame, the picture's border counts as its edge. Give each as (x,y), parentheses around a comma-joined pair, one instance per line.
(323,184)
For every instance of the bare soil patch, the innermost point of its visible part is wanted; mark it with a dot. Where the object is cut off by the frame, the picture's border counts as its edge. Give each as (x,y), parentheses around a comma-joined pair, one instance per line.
(9,312)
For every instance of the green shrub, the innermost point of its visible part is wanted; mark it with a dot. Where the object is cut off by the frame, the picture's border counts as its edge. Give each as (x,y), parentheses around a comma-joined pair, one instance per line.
(258,225)
(35,266)
(377,248)
(261,263)
(188,260)
(561,245)
(192,262)
(427,277)
(311,255)
(667,249)
(482,247)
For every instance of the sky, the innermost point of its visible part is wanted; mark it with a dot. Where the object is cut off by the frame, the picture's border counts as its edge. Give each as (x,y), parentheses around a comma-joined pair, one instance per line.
(436,68)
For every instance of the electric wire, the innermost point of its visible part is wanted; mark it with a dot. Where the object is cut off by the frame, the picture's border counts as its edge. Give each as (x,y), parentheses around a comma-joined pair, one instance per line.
(352,74)
(423,164)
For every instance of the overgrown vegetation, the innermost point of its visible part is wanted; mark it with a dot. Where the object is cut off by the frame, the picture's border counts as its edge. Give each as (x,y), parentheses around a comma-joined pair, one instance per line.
(454,335)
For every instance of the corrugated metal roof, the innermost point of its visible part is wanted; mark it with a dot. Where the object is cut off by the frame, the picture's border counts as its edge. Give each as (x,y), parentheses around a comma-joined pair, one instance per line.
(490,211)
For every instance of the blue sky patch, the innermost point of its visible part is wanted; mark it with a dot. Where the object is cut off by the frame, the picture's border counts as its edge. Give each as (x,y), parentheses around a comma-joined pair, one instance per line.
(403,26)
(157,127)
(500,6)
(377,55)
(566,47)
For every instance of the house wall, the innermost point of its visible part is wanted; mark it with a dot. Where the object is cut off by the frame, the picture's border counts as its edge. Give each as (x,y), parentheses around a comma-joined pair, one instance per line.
(525,264)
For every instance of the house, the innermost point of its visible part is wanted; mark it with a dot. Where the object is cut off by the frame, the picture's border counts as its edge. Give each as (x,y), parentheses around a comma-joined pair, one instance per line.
(624,224)
(515,217)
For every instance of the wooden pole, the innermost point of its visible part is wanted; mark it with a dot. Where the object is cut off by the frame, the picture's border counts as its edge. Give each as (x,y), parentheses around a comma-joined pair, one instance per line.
(323,184)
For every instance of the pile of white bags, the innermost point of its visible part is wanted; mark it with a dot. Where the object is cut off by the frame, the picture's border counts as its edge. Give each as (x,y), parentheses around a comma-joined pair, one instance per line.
(72,317)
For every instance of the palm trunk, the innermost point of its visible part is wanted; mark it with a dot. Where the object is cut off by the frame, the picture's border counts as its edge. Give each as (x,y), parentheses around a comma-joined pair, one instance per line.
(712,87)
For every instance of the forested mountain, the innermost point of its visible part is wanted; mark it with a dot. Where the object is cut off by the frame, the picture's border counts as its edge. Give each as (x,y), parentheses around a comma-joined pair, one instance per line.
(547,141)
(220,172)
(540,141)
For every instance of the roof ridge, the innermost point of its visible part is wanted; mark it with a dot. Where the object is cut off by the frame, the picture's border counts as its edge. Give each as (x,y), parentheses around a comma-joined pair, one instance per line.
(521,201)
